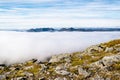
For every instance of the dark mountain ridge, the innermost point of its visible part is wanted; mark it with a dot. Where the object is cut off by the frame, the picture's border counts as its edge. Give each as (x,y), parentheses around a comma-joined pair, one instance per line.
(71,29)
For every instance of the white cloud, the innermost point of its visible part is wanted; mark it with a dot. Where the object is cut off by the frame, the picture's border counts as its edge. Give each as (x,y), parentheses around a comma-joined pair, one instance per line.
(67,13)
(30,23)
(27,1)
(22,46)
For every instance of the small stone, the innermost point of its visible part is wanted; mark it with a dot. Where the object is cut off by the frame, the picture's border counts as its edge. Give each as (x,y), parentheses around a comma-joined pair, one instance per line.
(28,74)
(28,67)
(83,72)
(63,72)
(60,78)
(42,78)
(2,77)
(109,49)
(19,78)
(59,57)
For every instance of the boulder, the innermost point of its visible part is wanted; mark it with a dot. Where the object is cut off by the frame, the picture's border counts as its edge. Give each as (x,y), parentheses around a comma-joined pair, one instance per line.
(59,58)
(94,48)
(107,61)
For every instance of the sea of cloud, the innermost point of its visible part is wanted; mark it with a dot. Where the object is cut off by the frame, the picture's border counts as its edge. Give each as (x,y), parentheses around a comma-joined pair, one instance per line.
(22,46)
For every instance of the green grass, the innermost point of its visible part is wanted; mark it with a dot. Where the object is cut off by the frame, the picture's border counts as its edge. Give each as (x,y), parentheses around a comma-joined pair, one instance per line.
(112,43)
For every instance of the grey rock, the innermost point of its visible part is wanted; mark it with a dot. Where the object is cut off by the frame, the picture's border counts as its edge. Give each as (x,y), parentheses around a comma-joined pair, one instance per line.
(42,78)
(62,72)
(83,72)
(93,48)
(107,61)
(109,49)
(28,74)
(60,57)
(60,78)
(97,77)
(117,47)
(60,69)
(18,78)
(28,67)
(43,68)
(2,77)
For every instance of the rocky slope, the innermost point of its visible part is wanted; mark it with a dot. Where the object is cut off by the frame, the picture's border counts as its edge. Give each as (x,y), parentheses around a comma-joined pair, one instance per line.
(98,62)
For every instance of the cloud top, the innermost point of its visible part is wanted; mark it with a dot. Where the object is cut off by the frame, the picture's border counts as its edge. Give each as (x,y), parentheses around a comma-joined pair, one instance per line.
(23,46)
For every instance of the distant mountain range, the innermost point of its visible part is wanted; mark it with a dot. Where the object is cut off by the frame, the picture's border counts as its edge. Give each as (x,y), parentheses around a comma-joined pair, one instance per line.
(63,29)
(72,29)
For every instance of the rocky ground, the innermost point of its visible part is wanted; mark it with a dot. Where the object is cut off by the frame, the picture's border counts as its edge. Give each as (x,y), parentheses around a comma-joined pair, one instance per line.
(98,62)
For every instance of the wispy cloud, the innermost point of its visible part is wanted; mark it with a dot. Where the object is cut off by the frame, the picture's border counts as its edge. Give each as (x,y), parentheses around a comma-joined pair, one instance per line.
(59,12)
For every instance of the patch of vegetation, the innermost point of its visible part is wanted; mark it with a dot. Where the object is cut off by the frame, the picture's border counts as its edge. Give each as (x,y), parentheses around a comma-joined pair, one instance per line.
(112,43)
(35,69)
(116,66)
(76,60)
(20,73)
(73,70)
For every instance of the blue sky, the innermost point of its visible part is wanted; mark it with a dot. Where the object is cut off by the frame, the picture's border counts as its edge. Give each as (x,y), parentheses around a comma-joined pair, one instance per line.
(59,13)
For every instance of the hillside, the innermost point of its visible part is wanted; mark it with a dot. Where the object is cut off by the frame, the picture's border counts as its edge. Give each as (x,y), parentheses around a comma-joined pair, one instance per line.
(97,62)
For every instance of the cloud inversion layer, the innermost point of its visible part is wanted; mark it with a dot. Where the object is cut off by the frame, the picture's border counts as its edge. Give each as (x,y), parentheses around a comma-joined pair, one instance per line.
(23,46)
